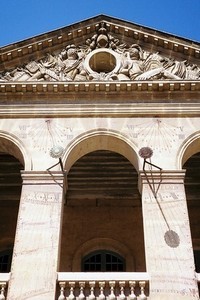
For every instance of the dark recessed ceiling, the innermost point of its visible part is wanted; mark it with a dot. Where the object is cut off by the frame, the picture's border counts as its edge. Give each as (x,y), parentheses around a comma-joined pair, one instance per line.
(103,175)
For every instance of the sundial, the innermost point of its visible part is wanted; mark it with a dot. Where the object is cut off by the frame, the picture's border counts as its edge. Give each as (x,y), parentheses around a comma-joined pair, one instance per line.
(158,134)
(47,133)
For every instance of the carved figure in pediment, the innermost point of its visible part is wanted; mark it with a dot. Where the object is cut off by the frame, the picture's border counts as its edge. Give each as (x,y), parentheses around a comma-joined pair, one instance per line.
(66,66)
(18,74)
(174,69)
(140,65)
(192,72)
(30,72)
(36,71)
(132,64)
(70,64)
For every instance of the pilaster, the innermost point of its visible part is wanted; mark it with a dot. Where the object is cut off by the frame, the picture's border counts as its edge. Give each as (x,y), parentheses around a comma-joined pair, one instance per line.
(168,245)
(36,249)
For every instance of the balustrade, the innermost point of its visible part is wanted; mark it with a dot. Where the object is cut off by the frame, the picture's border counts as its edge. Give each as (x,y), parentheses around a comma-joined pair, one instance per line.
(103,286)
(96,286)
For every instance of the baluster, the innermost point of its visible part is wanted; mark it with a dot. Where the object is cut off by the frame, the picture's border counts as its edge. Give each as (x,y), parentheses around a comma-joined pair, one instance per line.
(62,290)
(92,285)
(132,287)
(71,291)
(122,295)
(112,285)
(2,294)
(81,295)
(142,294)
(101,286)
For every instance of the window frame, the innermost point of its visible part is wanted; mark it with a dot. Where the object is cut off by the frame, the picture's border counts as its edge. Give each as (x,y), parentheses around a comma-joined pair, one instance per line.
(103,262)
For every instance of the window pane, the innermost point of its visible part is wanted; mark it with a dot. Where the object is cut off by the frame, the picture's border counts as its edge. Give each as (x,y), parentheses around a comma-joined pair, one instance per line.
(104,261)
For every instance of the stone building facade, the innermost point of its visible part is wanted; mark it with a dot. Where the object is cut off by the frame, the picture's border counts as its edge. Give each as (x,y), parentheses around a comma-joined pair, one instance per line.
(100,161)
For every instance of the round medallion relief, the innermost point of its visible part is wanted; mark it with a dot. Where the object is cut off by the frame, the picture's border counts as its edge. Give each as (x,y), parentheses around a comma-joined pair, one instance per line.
(102,61)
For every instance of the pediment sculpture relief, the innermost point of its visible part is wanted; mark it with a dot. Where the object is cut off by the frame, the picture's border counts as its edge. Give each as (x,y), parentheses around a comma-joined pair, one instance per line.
(103,57)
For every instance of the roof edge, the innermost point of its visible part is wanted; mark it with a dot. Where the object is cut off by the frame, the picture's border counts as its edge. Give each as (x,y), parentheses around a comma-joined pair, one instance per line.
(95,19)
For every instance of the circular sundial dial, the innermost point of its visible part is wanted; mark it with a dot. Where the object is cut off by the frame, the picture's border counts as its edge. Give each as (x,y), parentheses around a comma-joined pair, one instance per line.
(158,134)
(47,133)
(172,238)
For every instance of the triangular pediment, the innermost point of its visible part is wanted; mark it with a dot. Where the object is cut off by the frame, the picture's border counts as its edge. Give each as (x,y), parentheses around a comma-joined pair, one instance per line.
(101,49)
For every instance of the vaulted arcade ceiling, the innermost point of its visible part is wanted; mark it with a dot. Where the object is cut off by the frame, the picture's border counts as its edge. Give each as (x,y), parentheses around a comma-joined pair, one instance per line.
(101,49)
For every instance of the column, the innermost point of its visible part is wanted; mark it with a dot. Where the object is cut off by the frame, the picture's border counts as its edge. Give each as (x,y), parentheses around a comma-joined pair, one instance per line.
(36,249)
(168,245)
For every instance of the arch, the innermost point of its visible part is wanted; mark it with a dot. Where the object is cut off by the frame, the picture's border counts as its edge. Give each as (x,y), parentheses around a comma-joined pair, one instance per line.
(11,144)
(188,148)
(97,244)
(100,139)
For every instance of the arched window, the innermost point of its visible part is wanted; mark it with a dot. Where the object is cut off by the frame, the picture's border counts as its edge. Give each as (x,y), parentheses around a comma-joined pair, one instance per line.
(5,261)
(103,261)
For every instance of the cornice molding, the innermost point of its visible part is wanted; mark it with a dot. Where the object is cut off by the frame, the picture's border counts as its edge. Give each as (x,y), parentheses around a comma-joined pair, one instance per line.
(99,86)
(42,177)
(168,176)
(91,99)
(160,177)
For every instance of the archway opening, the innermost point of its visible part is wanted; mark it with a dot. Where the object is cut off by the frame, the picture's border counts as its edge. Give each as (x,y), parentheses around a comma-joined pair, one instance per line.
(10,192)
(192,188)
(103,202)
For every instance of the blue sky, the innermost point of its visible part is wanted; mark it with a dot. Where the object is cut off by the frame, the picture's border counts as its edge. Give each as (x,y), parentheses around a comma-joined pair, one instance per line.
(21,19)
